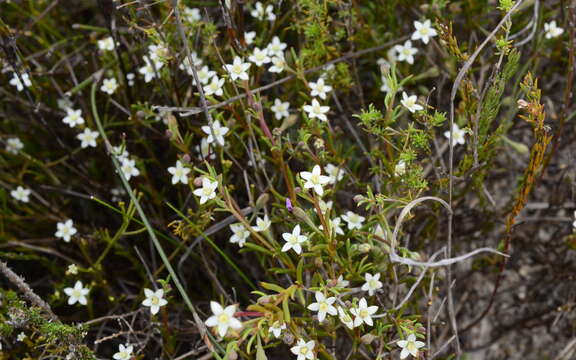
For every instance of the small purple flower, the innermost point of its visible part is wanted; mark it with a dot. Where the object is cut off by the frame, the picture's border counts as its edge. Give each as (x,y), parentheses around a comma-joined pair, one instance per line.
(289,205)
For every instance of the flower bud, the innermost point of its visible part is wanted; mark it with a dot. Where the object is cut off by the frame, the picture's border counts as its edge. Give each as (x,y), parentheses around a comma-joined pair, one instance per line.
(368,338)
(288,338)
(262,200)
(198,181)
(358,198)
(364,248)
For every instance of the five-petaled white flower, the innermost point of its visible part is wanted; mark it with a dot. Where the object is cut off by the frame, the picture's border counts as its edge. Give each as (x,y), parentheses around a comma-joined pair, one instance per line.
(323,306)
(409,102)
(410,346)
(424,31)
(21,337)
(363,313)
(109,86)
(124,352)
(260,12)
(239,234)
(341,282)
(215,132)
(179,173)
(280,109)
(223,318)
(192,15)
(400,168)
(65,230)
(20,85)
(185,64)
(158,53)
(319,88)
(335,225)
(345,318)
(77,294)
(294,240)
(354,220)
(315,180)
(317,111)
(278,65)
(276,328)
(154,299)
(128,167)
(304,350)
(238,69)
(204,75)
(262,224)
(457,135)
(207,191)
(406,52)
(552,30)
(214,87)
(260,57)
(150,69)
(334,173)
(106,44)
(276,47)
(73,117)
(249,37)
(21,194)
(87,138)
(372,283)
(14,145)
(325,205)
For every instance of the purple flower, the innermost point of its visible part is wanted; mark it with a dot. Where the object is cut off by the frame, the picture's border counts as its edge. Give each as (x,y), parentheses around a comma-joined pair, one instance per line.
(289,205)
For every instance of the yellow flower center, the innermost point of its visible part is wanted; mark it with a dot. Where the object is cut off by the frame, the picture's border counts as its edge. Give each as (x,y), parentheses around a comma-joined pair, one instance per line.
(303,350)
(223,319)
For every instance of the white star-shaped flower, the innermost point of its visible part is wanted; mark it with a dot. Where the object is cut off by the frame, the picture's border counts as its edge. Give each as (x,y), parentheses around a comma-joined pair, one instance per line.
(106,44)
(319,88)
(341,282)
(457,135)
(158,53)
(280,109)
(363,313)
(21,337)
(323,306)
(334,173)
(124,352)
(128,167)
(154,299)
(294,240)
(278,65)
(109,86)
(276,328)
(21,194)
(354,220)
(192,15)
(87,138)
(120,152)
(315,180)
(179,173)
(410,346)
(325,205)
(185,64)
(424,31)
(215,132)
(335,225)
(150,69)
(238,69)
(345,318)
(317,111)
(304,350)
(65,230)
(552,30)
(372,283)
(249,37)
(20,85)
(77,294)
(214,87)
(223,318)
(260,12)
(259,57)
(207,191)
(409,102)
(276,47)
(14,145)
(239,234)
(262,224)
(204,149)
(400,168)
(406,52)
(73,117)
(204,75)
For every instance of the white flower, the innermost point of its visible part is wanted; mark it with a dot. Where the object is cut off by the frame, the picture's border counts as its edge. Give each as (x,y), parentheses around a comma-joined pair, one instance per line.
(325,205)
(315,180)
(128,167)
(303,350)
(280,109)
(65,230)
(457,135)
(294,240)
(239,234)
(154,299)
(341,283)
(249,37)
(15,81)
(215,132)
(424,31)
(276,328)
(319,88)
(334,173)
(215,87)
(120,152)
(72,269)
(574,223)
(185,64)
(192,15)
(385,87)
(238,69)
(262,224)
(14,145)
(207,191)
(73,117)
(552,30)
(204,149)
(204,75)
(21,194)
(106,44)
(158,53)
(179,173)
(334,225)
(21,337)
(345,318)
(400,168)
(409,346)
(406,52)
(77,294)
(124,352)
(130,77)
(409,102)
(276,47)
(109,86)
(278,65)
(262,13)
(150,69)
(372,283)
(323,306)
(317,111)
(87,138)
(354,220)
(260,57)
(363,313)
(223,318)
